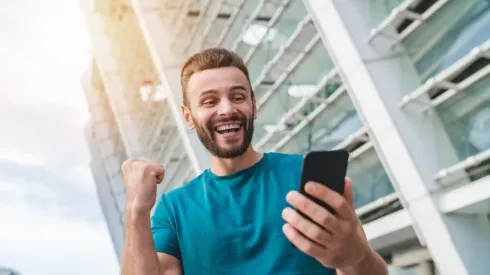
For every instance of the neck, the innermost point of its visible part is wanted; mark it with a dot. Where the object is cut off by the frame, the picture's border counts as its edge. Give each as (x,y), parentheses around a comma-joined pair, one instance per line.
(222,167)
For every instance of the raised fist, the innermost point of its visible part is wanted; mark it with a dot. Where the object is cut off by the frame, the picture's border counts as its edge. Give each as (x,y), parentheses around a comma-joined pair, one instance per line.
(141,177)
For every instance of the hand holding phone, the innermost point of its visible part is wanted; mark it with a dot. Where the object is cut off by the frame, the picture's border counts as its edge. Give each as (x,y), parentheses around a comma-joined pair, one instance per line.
(334,238)
(328,168)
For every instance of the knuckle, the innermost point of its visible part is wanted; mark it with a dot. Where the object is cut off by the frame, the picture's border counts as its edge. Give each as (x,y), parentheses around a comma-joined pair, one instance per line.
(308,248)
(144,166)
(316,233)
(126,163)
(303,204)
(337,204)
(326,219)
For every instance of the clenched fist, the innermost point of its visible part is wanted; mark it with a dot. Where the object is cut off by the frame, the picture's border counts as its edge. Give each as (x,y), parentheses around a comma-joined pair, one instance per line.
(141,177)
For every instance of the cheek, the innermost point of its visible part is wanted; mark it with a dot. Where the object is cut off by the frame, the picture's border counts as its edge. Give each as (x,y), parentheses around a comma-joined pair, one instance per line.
(201,120)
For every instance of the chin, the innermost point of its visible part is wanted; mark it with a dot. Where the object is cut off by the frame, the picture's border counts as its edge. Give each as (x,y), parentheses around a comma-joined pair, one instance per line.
(229,152)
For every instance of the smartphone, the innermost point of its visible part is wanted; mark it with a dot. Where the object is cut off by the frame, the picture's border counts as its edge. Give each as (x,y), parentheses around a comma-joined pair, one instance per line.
(328,168)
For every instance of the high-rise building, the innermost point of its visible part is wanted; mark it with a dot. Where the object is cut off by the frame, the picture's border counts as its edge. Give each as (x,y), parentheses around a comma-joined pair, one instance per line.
(403,85)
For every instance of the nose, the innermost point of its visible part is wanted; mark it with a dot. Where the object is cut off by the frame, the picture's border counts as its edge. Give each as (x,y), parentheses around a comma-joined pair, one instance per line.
(226,108)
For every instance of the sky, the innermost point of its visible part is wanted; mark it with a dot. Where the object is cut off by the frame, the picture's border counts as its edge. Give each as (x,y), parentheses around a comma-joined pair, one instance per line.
(50,218)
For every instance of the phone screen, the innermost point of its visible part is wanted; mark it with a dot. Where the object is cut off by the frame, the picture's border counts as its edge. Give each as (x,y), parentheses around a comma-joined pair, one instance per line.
(328,168)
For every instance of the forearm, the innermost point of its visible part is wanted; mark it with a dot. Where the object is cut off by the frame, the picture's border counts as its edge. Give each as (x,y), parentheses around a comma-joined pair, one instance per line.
(372,264)
(139,254)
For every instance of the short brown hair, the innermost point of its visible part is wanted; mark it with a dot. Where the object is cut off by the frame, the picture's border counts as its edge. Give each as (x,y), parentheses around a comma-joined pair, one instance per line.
(207,59)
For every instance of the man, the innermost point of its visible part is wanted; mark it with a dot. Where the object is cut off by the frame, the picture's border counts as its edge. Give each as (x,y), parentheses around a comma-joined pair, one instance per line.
(237,217)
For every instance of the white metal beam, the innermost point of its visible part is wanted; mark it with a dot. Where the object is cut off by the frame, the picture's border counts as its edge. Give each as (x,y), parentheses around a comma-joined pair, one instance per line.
(405,142)
(168,65)
(473,198)
(390,230)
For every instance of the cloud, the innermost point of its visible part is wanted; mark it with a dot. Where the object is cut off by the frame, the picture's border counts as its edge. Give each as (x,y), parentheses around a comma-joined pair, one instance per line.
(44,188)
(51,221)
(39,242)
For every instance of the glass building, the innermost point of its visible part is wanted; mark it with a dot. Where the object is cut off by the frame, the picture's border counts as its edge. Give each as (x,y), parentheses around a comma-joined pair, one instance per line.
(403,85)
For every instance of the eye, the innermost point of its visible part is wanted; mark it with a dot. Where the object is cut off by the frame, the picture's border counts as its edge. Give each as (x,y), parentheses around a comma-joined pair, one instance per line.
(209,102)
(238,98)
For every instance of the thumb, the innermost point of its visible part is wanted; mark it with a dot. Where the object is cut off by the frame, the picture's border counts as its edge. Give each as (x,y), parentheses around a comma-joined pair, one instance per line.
(349,191)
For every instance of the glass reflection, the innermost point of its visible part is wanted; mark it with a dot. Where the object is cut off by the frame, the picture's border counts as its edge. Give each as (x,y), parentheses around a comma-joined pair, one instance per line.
(335,123)
(237,27)
(310,71)
(280,31)
(466,118)
(370,179)
(470,30)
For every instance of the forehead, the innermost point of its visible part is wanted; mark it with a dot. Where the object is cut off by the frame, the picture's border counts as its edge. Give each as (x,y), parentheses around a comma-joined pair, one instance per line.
(219,79)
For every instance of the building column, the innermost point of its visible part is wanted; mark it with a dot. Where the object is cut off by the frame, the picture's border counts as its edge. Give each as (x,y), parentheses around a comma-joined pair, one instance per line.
(101,135)
(109,207)
(120,105)
(407,142)
(114,83)
(168,64)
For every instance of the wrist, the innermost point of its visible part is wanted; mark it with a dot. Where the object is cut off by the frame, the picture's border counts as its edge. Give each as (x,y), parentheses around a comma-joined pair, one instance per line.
(136,214)
(363,264)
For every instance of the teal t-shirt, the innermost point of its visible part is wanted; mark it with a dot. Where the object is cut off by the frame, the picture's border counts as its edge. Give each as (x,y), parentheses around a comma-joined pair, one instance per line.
(232,224)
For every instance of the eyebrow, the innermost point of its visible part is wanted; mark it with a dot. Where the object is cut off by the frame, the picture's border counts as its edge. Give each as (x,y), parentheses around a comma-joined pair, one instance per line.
(238,87)
(233,88)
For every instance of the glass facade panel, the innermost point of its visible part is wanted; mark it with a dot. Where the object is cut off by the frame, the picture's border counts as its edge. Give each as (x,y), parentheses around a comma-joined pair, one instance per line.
(466,118)
(310,71)
(370,179)
(237,27)
(447,36)
(380,9)
(452,33)
(332,125)
(276,37)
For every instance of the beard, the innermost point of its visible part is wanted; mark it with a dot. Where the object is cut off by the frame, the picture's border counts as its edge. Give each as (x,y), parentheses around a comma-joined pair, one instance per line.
(207,136)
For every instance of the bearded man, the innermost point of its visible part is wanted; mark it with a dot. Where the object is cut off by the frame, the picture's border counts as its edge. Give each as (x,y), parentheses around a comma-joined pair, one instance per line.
(239,216)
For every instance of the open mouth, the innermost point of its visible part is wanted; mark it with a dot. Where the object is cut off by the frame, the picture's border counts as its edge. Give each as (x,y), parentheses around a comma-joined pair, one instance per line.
(230,128)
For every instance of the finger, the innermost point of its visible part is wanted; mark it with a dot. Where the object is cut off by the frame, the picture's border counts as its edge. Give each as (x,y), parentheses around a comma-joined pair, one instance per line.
(314,211)
(152,165)
(158,168)
(158,171)
(349,192)
(335,200)
(306,227)
(302,243)
(127,163)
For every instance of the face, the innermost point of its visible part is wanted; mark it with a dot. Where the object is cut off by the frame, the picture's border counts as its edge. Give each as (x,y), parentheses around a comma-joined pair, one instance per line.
(221,109)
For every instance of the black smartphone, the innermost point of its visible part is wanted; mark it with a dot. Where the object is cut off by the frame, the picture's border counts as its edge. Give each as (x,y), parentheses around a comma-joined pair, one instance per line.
(328,168)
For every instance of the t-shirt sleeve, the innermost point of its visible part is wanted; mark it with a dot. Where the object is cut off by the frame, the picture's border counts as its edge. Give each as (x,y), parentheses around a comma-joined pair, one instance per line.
(163,231)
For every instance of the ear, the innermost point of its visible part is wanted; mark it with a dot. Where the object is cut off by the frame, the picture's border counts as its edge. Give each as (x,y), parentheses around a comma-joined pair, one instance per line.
(186,113)
(254,106)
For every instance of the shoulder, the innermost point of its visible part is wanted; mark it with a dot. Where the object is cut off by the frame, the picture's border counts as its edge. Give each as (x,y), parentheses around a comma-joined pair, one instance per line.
(283,159)
(185,190)
(172,202)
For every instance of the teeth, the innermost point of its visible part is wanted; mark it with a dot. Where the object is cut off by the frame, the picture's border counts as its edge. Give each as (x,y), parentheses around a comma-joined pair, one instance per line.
(228,127)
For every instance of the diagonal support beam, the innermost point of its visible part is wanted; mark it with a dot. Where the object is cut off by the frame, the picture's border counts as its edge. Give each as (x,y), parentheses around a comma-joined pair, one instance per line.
(168,65)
